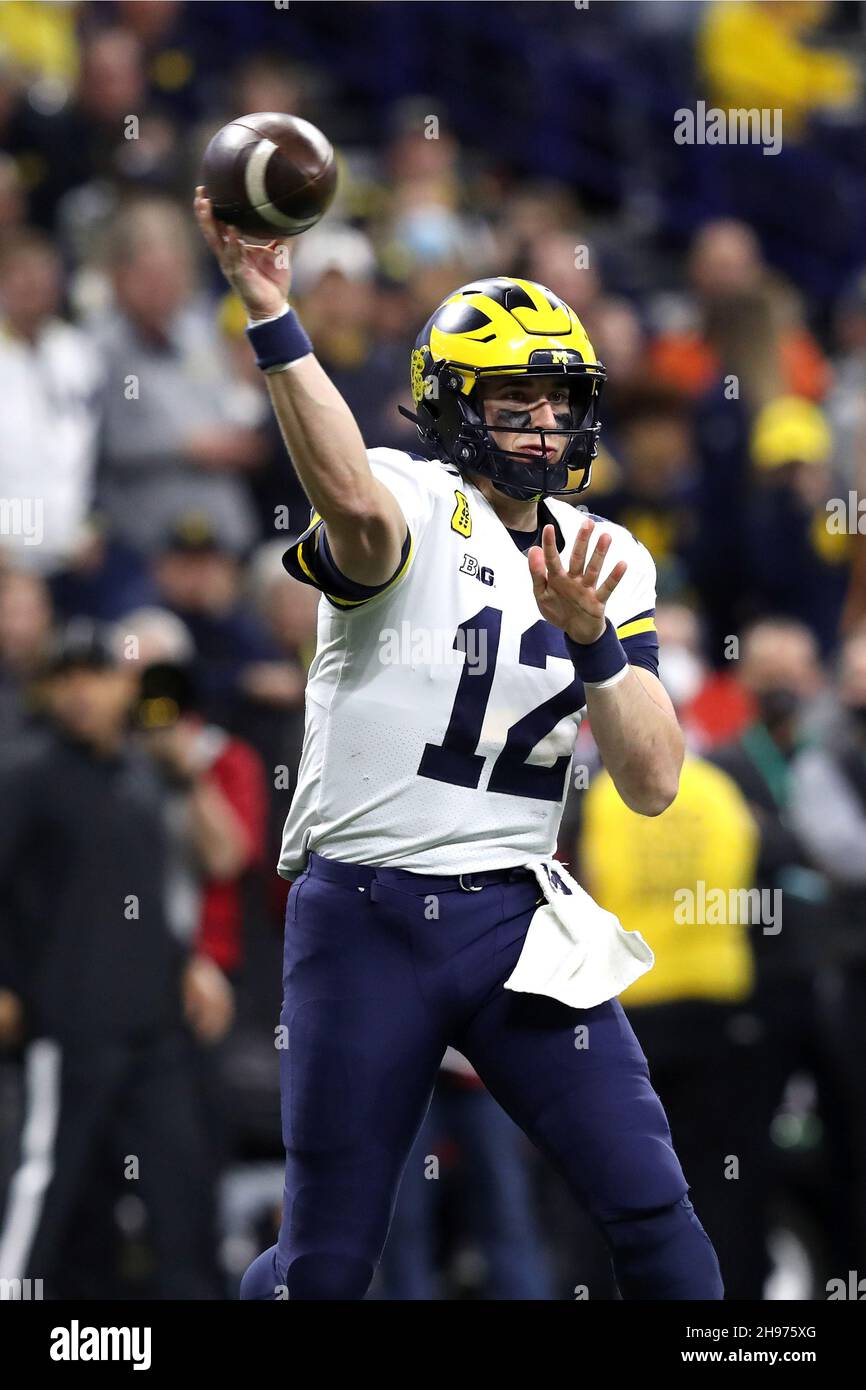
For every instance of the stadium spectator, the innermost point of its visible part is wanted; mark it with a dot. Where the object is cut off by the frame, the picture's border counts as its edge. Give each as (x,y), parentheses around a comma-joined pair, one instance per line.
(273,714)
(40,40)
(218,794)
(215,780)
(217,802)
(108,578)
(692,1012)
(335,286)
(846,402)
(755,53)
(179,435)
(754,332)
(797,563)
(25,631)
(289,611)
(725,262)
(64,145)
(744,333)
(198,575)
(565,259)
(267,81)
(275,489)
(168,50)
(828,813)
(527,212)
(426,233)
(653,443)
(13,199)
(427,222)
(621,341)
(711,704)
(50,379)
(780,669)
(100,984)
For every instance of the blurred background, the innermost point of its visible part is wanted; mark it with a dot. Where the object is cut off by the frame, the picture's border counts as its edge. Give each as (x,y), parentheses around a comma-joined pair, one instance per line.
(153,651)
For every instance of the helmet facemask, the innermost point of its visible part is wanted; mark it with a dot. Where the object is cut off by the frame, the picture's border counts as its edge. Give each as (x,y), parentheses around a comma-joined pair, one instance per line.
(458,428)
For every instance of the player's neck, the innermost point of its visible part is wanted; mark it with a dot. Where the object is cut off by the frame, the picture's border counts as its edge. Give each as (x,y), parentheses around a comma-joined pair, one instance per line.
(516,515)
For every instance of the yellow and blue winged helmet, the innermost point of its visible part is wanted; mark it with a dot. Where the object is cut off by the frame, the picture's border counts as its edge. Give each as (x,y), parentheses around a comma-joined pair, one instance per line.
(505,327)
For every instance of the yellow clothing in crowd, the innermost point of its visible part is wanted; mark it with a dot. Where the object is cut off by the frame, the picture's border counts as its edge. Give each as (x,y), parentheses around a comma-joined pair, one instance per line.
(636,866)
(40,39)
(751,55)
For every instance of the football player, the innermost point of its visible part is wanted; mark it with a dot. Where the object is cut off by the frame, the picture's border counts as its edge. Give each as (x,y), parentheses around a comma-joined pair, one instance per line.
(470,617)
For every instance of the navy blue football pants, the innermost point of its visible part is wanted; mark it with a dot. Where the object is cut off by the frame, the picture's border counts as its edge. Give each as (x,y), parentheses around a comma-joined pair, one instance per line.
(382,971)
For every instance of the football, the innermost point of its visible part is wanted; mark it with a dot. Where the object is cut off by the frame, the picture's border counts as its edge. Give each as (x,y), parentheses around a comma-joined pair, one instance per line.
(270,174)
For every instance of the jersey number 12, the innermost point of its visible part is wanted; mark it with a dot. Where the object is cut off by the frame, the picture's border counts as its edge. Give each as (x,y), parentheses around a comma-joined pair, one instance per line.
(455,759)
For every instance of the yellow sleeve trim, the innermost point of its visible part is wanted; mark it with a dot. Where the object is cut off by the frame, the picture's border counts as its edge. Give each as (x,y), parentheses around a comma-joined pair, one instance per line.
(640,625)
(304,566)
(312,535)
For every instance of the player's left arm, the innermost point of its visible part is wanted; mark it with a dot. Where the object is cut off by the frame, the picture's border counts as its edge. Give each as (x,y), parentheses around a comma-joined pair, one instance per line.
(633,720)
(640,742)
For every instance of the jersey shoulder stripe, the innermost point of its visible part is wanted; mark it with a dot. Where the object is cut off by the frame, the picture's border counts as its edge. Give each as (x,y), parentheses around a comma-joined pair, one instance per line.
(310,560)
(416,483)
(642,622)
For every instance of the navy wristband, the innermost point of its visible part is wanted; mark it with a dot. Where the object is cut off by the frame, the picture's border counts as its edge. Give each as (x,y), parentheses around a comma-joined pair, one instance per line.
(278,342)
(599,661)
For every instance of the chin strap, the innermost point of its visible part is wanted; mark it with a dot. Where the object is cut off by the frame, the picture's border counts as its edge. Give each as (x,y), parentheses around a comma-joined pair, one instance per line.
(507,489)
(516,495)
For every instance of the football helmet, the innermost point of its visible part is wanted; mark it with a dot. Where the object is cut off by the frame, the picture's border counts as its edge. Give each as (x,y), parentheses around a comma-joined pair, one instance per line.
(505,327)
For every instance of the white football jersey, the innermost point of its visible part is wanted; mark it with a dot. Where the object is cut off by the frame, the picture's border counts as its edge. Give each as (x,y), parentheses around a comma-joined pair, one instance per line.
(441,714)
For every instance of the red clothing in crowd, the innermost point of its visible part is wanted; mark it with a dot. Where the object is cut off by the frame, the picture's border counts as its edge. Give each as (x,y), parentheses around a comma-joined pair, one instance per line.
(239,774)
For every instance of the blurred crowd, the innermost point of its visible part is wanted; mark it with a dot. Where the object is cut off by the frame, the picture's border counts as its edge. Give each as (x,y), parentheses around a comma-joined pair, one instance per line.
(153,650)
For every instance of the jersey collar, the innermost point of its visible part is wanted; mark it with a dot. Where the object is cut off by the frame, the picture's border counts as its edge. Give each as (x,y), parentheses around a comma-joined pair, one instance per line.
(546,518)
(545,515)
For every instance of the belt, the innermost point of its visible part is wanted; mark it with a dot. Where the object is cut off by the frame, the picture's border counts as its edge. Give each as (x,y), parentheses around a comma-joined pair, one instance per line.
(362,875)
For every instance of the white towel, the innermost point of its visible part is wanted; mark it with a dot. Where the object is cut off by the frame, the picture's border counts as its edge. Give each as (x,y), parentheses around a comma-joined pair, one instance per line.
(574,950)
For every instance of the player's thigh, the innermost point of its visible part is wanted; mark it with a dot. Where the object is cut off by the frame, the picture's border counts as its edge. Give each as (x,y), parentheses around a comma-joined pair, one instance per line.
(577,1082)
(359,1047)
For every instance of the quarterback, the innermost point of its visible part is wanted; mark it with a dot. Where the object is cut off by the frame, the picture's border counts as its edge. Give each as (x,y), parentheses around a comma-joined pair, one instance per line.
(433,777)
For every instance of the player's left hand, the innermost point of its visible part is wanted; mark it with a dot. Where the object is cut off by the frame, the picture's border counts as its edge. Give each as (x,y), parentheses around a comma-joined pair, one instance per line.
(572,598)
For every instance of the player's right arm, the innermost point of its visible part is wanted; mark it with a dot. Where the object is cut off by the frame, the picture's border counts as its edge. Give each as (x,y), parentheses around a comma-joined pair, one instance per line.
(366,529)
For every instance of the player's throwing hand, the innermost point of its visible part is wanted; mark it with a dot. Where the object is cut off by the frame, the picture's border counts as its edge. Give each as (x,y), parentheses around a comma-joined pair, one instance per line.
(573,599)
(259,275)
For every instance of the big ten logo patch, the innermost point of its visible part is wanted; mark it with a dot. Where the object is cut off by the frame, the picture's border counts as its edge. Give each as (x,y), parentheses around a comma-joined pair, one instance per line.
(461,521)
(482,572)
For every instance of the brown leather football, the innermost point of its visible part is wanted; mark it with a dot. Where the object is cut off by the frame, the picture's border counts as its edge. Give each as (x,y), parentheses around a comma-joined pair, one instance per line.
(270,174)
